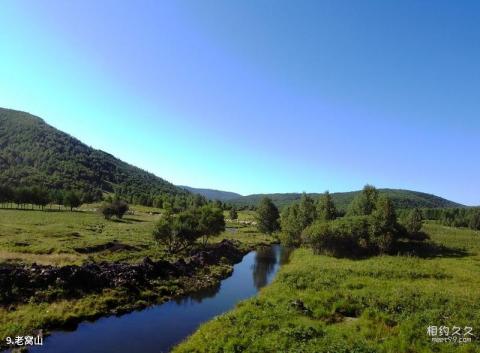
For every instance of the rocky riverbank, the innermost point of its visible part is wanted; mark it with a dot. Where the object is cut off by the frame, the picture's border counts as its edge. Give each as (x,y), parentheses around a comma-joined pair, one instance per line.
(94,290)
(19,284)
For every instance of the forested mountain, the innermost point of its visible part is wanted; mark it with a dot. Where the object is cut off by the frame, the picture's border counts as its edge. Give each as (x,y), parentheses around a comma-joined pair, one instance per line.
(401,199)
(212,194)
(33,153)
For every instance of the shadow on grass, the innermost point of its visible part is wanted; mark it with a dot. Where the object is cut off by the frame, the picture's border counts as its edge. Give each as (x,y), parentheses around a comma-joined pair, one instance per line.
(134,220)
(428,250)
(127,220)
(418,245)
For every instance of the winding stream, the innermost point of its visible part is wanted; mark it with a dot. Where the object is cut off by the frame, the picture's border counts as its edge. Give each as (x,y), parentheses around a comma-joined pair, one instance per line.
(160,327)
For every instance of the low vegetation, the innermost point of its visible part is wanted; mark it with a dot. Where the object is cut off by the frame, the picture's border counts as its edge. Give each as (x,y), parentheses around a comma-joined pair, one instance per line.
(384,304)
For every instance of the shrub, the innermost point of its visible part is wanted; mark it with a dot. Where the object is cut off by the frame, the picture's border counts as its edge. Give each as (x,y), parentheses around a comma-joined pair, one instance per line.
(347,236)
(116,208)
(352,236)
(319,237)
(107,210)
(120,208)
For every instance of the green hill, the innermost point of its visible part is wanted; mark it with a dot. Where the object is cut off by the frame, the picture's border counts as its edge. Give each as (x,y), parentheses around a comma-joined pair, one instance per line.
(212,194)
(401,199)
(33,153)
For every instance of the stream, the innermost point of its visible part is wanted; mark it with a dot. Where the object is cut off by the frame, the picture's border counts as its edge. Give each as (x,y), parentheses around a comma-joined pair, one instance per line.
(160,327)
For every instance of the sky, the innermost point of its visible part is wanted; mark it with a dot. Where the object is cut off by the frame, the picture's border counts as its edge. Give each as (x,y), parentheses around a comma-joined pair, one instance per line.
(259,96)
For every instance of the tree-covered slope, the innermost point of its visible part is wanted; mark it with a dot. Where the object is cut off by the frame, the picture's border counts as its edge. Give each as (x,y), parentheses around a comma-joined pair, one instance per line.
(33,153)
(401,199)
(212,194)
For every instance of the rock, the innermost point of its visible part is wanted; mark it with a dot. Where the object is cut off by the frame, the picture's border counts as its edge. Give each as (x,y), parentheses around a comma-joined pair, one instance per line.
(91,277)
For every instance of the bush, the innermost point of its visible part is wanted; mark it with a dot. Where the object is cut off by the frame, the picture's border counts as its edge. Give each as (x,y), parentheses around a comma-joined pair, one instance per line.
(347,236)
(120,208)
(116,208)
(354,236)
(107,210)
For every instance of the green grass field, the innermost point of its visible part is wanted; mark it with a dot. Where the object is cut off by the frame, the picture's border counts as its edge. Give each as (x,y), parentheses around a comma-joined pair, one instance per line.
(65,237)
(381,304)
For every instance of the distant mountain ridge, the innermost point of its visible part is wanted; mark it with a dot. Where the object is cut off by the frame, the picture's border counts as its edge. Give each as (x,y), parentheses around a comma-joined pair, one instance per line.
(212,194)
(33,153)
(401,199)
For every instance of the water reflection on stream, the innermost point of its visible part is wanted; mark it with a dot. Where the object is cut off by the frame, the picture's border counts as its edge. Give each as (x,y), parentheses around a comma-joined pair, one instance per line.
(159,328)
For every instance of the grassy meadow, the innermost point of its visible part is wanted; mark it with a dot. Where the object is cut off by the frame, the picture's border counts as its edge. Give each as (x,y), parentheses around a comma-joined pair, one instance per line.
(64,237)
(380,304)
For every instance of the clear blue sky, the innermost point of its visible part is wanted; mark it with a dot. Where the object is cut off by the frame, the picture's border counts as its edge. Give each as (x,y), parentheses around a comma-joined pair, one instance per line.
(259,96)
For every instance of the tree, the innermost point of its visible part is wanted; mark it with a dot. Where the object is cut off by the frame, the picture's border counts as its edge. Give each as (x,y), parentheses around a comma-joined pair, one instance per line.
(364,203)
(233,214)
(196,200)
(210,222)
(291,226)
(57,196)
(6,194)
(306,211)
(167,233)
(158,202)
(179,203)
(72,200)
(475,220)
(180,231)
(384,213)
(414,221)
(267,216)
(40,196)
(22,196)
(384,224)
(326,210)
